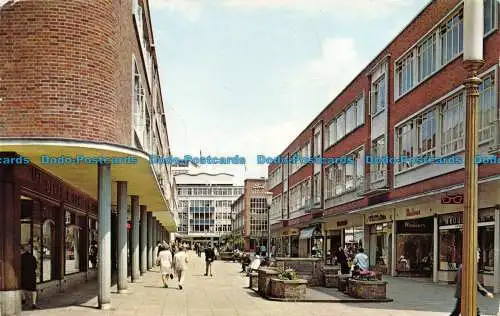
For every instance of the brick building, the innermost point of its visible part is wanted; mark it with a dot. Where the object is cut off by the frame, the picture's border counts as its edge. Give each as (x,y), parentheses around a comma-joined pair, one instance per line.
(80,78)
(408,102)
(250,212)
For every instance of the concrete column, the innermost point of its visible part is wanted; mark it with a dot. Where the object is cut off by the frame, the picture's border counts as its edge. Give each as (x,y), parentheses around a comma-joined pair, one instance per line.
(155,238)
(122,208)
(496,276)
(136,273)
(10,235)
(144,239)
(104,251)
(393,248)
(435,251)
(150,240)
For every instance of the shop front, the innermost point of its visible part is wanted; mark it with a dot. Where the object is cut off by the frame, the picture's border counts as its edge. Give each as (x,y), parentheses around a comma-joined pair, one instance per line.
(343,231)
(414,247)
(450,245)
(379,238)
(311,242)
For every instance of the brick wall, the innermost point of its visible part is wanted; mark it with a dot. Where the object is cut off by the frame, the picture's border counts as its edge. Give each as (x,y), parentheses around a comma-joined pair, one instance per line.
(66,70)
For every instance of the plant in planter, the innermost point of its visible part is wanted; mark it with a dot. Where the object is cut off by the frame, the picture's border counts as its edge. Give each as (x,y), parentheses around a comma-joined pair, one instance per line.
(288,285)
(288,274)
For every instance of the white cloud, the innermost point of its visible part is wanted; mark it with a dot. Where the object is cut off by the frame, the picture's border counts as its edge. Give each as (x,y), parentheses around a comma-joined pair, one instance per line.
(324,77)
(359,7)
(189,9)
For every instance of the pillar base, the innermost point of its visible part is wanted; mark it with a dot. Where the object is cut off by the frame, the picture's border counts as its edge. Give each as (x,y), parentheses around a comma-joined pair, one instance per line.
(124,291)
(105,306)
(10,303)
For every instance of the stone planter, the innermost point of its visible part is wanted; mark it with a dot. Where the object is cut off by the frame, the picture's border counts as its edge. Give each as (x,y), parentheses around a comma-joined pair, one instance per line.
(367,289)
(332,280)
(253,280)
(226,256)
(264,282)
(288,289)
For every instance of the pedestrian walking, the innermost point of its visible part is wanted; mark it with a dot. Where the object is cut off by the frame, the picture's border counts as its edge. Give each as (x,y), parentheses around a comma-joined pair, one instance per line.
(458,292)
(28,275)
(164,260)
(209,258)
(159,245)
(180,266)
(93,253)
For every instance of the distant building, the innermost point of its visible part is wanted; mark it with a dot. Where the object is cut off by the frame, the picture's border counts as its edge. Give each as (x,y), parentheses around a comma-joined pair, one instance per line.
(204,202)
(251,215)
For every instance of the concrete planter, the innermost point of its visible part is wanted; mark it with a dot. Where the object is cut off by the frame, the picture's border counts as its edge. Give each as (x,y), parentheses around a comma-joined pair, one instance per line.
(332,280)
(226,256)
(264,282)
(288,289)
(253,280)
(367,289)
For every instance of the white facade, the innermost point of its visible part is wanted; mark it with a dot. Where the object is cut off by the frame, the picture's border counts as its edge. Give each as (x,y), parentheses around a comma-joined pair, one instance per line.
(205,203)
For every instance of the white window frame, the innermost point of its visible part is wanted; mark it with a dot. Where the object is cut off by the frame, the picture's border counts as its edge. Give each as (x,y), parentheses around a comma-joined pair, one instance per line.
(375,98)
(378,171)
(456,143)
(436,33)
(486,123)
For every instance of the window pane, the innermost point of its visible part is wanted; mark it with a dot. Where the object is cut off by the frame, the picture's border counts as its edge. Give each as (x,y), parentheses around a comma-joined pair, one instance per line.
(350,119)
(360,111)
(340,126)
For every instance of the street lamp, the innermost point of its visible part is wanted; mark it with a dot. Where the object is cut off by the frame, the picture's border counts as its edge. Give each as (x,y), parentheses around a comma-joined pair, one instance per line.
(269,200)
(473,60)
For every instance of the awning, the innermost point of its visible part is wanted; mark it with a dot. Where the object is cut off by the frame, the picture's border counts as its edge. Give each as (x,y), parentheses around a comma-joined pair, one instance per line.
(307,233)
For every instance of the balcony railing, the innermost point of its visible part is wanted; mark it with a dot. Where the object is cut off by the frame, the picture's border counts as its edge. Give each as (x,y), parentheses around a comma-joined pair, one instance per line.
(374,182)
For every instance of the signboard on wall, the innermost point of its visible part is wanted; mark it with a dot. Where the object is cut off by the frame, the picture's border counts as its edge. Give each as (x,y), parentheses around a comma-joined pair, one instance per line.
(379,217)
(416,226)
(413,212)
(484,216)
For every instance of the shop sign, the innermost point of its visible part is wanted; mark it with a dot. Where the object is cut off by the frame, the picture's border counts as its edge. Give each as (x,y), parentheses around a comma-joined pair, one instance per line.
(342,223)
(416,226)
(453,199)
(411,212)
(484,216)
(378,217)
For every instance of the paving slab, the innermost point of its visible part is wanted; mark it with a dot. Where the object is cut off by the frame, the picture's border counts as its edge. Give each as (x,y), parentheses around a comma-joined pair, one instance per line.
(227,293)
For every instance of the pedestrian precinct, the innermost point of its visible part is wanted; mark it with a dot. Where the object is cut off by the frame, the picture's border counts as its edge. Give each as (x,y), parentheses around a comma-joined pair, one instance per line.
(209,258)
(28,275)
(180,265)
(164,260)
(458,292)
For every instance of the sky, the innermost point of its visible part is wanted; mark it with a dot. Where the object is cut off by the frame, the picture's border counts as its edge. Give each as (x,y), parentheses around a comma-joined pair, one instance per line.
(245,77)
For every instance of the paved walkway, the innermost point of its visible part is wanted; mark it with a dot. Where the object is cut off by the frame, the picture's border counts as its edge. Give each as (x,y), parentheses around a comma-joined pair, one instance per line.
(226,294)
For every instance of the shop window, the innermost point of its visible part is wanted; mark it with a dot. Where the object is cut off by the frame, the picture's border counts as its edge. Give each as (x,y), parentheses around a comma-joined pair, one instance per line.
(72,244)
(450,249)
(48,250)
(486,237)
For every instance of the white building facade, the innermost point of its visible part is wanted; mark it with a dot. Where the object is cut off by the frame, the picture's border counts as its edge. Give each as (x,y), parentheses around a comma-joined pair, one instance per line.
(205,204)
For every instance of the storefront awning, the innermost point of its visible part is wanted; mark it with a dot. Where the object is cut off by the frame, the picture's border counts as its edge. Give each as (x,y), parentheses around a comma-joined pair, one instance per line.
(307,233)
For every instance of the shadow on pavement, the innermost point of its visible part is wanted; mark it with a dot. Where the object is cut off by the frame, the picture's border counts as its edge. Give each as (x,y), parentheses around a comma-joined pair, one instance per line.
(86,297)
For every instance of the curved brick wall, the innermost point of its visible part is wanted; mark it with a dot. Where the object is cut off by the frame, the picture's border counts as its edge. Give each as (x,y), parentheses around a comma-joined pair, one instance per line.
(59,70)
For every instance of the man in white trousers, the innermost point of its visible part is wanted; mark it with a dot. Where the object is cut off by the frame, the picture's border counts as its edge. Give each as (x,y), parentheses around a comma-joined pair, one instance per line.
(180,265)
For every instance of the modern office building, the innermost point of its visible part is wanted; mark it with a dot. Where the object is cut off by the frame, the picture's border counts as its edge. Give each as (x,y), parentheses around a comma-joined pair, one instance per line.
(204,203)
(250,215)
(408,101)
(79,81)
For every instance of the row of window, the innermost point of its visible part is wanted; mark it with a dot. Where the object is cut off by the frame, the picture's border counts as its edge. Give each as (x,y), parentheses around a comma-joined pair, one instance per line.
(440,131)
(347,121)
(209,191)
(437,49)
(300,196)
(343,178)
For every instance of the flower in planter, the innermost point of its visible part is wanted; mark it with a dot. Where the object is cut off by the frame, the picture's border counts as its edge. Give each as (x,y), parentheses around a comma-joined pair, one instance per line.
(288,274)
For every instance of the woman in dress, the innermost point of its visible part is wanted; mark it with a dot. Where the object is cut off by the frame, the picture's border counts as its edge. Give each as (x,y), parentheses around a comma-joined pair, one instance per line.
(164,260)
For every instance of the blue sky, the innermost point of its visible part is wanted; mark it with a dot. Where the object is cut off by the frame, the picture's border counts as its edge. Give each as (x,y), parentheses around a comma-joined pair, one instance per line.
(246,76)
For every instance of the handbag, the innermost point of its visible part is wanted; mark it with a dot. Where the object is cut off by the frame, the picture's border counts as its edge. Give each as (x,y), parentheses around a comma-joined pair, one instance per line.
(171,276)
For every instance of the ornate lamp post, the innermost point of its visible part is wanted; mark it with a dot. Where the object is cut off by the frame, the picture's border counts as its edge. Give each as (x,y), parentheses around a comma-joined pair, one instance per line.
(473,60)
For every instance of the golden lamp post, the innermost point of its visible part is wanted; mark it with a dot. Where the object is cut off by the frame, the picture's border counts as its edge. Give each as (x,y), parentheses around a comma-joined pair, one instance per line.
(473,60)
